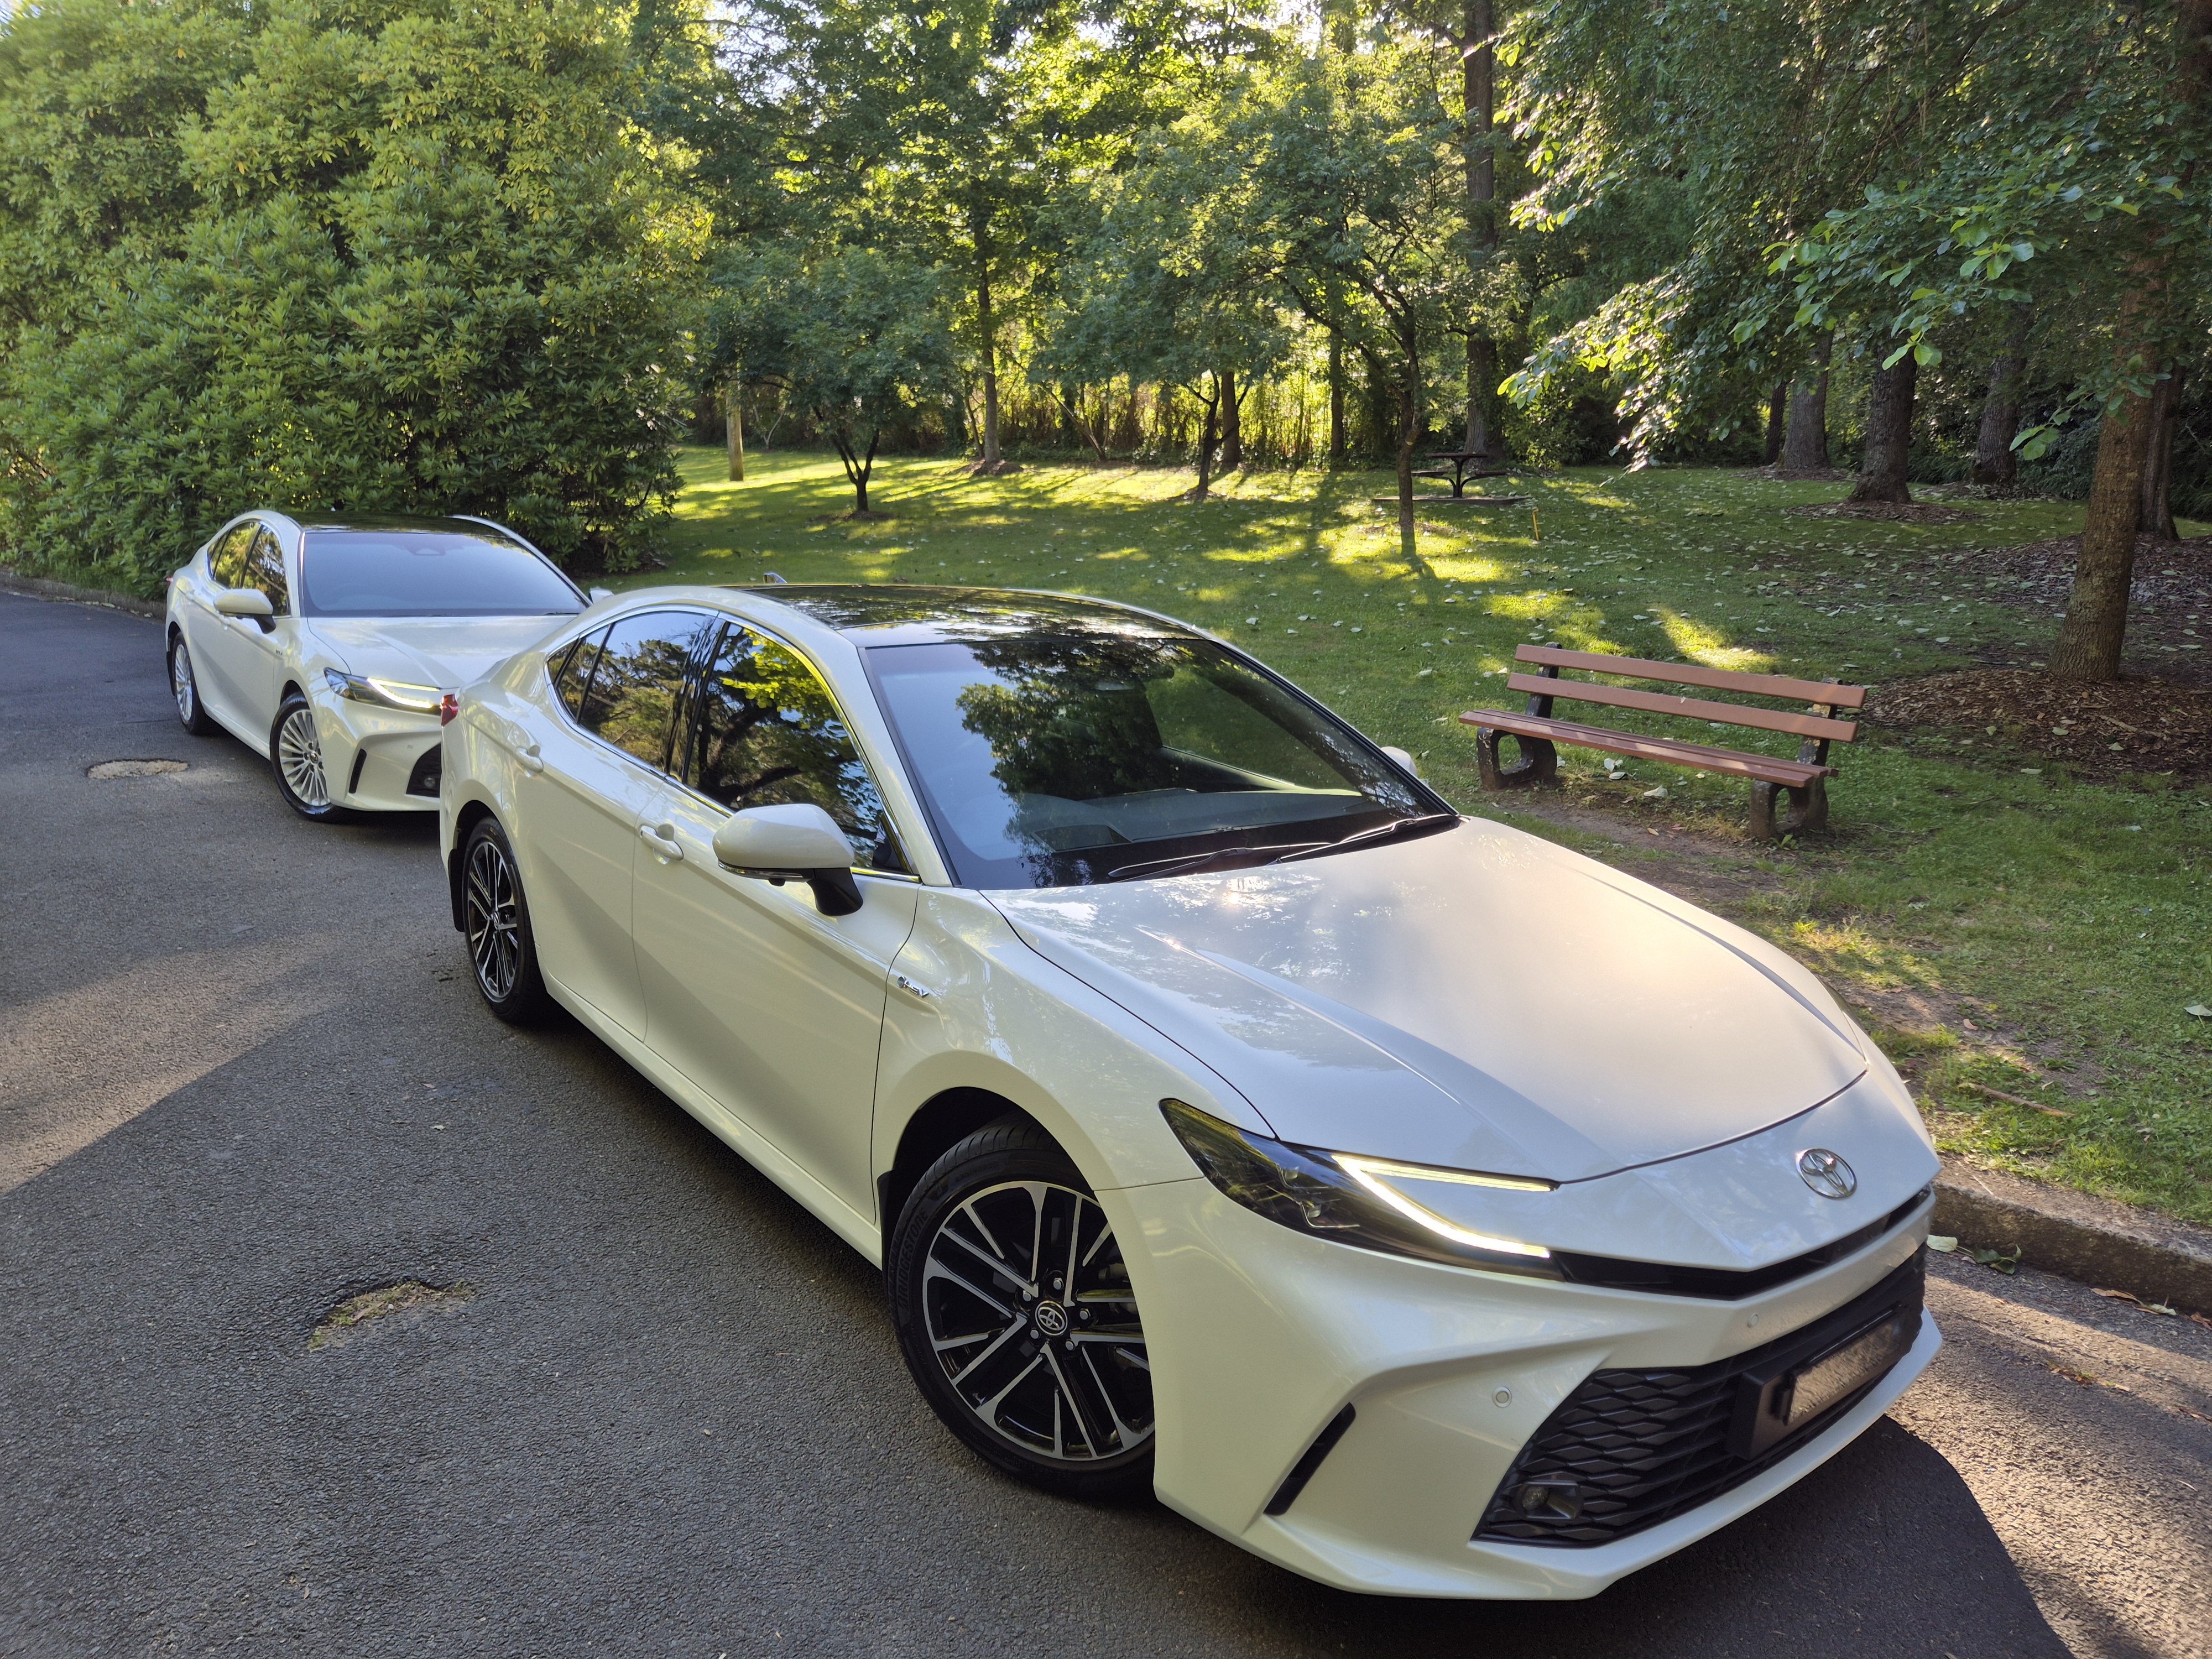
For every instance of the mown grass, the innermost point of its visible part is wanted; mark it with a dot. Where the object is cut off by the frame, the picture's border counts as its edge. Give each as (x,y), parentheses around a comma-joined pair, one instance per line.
(2024,930)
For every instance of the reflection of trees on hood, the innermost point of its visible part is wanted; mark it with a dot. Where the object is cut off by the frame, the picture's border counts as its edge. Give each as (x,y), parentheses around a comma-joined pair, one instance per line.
(1069,716)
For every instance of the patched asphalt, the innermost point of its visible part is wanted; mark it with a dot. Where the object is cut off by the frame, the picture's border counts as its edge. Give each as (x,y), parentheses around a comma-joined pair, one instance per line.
(244,1077)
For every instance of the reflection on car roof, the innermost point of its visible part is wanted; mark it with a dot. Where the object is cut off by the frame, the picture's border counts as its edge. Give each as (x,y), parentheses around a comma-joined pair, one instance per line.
(907,615)
(403,521)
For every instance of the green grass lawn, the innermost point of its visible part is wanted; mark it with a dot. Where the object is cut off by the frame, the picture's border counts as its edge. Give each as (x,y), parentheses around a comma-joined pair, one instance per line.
(2022,930)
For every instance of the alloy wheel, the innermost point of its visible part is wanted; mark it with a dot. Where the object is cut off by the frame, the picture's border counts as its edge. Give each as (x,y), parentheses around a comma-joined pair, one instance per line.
(494,923)
(180,682)
(1027,1306)
(300,758)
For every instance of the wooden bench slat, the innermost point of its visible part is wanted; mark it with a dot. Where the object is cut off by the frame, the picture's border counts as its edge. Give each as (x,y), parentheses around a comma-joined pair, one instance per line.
(1658,702)
(1795,774)
(1716,679)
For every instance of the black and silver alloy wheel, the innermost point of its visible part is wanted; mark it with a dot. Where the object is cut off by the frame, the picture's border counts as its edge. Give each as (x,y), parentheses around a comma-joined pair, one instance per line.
(295,755)
(496,924)
(1017,1314)
(185,689)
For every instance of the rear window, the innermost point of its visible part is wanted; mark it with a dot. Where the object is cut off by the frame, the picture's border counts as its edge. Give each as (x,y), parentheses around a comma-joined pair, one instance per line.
(429,573)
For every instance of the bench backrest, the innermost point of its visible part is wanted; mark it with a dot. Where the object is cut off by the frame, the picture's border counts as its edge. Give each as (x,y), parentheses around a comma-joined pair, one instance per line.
(1819,726)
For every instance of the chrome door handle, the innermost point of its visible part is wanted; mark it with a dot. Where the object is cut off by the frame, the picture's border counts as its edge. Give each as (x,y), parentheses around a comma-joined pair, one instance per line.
(913,989)
(661,840)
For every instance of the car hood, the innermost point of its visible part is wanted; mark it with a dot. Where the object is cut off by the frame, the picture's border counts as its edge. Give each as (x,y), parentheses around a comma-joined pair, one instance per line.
(1475,999)
(446,651)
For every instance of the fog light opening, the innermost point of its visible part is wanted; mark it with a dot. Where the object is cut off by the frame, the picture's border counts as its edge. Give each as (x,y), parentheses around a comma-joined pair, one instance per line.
(1549,1500)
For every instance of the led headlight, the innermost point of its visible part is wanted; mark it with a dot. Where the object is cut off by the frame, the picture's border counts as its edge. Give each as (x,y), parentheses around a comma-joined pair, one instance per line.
(386,694)
(1352,1199)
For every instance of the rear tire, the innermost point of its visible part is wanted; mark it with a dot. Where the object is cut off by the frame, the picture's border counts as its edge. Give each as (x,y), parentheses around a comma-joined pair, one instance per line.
(495,921)
(185,687)
(295,756)
(1014,1310)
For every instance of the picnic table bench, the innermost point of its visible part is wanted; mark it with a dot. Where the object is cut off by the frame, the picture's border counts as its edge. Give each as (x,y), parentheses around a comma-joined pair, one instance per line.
(1457,472)
(1802,782)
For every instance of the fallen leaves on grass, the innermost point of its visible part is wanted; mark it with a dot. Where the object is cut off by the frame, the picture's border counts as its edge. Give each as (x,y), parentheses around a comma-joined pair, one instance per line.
(1888,511)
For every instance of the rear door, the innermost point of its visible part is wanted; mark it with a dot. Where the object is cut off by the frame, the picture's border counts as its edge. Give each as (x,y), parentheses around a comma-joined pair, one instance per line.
(580,814)
(772,1008)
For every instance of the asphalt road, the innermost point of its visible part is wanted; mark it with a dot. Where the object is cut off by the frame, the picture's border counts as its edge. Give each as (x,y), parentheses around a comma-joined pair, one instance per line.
(243,1075)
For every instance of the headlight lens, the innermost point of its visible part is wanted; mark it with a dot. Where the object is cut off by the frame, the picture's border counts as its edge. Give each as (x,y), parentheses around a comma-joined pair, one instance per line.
(1351,1199)
(386,694)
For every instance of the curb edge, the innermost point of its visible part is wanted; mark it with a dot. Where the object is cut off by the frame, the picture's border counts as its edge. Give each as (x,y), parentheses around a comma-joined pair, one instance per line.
(2104,1244)
(38,587)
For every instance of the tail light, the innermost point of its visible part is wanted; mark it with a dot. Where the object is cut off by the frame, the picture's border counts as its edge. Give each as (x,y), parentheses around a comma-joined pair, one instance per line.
(448,706)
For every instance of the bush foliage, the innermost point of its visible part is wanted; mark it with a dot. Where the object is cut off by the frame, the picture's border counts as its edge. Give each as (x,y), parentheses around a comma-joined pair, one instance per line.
(333,255)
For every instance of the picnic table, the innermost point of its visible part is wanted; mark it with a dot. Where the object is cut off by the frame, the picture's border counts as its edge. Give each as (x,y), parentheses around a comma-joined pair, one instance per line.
(1460,459)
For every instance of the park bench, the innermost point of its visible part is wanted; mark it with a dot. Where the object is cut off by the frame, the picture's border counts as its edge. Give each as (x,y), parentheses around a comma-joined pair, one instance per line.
(1803,781)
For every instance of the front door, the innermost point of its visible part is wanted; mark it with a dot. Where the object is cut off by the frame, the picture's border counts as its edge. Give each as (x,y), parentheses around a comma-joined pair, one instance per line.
(228,657)
(773,1008)
(602,767)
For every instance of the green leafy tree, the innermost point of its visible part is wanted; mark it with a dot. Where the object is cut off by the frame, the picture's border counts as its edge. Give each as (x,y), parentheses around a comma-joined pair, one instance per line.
(422,259)
(855,338)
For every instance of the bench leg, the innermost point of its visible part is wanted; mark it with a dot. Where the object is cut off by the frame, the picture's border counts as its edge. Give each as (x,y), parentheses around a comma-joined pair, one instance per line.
(1538,762)
(1807,809)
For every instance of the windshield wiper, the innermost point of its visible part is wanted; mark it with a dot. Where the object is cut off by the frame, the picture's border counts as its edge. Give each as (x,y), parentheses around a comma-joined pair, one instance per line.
(1199,860)
(1419,821)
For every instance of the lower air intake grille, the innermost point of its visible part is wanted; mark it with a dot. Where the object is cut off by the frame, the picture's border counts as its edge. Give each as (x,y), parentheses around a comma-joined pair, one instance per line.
(1628,1449)
(429,771)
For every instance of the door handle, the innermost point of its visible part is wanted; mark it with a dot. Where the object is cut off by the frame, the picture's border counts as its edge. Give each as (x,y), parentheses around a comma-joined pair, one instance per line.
(662,841)
(531,759)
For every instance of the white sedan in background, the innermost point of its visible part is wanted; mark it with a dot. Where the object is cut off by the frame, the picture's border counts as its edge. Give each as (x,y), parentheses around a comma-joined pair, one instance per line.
(1424,1207)
(331,645)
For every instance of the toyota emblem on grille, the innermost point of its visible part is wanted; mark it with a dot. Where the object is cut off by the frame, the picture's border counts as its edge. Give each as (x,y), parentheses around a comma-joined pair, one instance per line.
(1827,1174)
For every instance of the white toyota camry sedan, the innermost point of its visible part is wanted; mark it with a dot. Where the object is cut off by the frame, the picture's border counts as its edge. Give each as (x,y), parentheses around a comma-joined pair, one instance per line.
(331,645)
(1425,1208)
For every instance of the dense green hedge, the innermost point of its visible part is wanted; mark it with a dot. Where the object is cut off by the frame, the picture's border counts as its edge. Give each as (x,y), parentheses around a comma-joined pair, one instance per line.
(407,255)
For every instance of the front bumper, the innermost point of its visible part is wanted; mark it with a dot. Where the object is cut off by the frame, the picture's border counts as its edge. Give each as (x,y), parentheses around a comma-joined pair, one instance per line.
(379,759)
(1261,1336)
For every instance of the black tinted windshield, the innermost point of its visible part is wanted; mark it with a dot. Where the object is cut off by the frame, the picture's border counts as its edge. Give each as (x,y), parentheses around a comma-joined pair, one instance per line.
(1049,761)
(429,573)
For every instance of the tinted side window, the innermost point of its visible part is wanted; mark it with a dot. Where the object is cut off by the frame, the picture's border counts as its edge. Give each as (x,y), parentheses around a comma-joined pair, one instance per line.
(769,735)
(227,558)
(571,670)
(265,569)
(631,699)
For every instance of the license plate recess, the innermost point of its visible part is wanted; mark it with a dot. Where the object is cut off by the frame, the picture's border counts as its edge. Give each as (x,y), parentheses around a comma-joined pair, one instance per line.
(1839,1355)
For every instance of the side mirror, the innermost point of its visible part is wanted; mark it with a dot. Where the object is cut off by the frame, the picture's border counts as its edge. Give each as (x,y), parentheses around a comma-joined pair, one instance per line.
(245,603)
(595,594)
(1401,758)
(801,842)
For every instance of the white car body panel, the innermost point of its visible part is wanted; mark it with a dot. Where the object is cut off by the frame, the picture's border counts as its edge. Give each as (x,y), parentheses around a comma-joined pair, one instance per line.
(1474,998)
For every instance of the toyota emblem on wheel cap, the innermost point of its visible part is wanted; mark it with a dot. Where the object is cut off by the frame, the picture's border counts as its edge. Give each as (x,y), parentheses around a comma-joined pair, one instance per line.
(1827,1174)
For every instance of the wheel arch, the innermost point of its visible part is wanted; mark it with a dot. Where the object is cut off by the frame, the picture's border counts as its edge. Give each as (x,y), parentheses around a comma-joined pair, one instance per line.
(465,819)
(939,1123)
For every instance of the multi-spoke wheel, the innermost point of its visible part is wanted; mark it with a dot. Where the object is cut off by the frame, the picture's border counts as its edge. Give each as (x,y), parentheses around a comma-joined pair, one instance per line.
(1014,1308)
(186,689)
(496,924)
(295,755)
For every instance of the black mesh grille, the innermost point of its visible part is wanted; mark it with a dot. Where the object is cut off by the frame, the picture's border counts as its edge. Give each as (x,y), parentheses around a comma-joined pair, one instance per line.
(1628,1449)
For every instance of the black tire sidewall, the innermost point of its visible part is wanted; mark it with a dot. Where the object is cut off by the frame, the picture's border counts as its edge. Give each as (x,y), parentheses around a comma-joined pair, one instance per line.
(1011,1149)
(199,722)
(526,1002)
(325,814)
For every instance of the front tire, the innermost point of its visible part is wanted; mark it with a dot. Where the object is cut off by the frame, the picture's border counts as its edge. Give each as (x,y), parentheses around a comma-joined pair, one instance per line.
(185,687)
(495,919)
(295,755)
(1014,1310)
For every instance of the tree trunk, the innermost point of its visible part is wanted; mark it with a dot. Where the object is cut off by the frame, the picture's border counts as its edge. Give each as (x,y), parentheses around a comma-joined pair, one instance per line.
(2089,639)
(1232,421)
(736,421)
(2165,418)
(986,325)
(1409,422)
(1889,433)
(1335,379)
(1478,64)
(1995,463)
(1777,419)
(1208,434)
(1806,449)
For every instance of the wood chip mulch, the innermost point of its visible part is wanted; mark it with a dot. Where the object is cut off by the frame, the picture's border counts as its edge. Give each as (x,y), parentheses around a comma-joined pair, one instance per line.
(2132,724)
(1888,511)
(2170,598)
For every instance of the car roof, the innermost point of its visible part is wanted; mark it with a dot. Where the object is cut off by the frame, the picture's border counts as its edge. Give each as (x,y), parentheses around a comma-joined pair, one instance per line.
(401,521)
(906,614)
